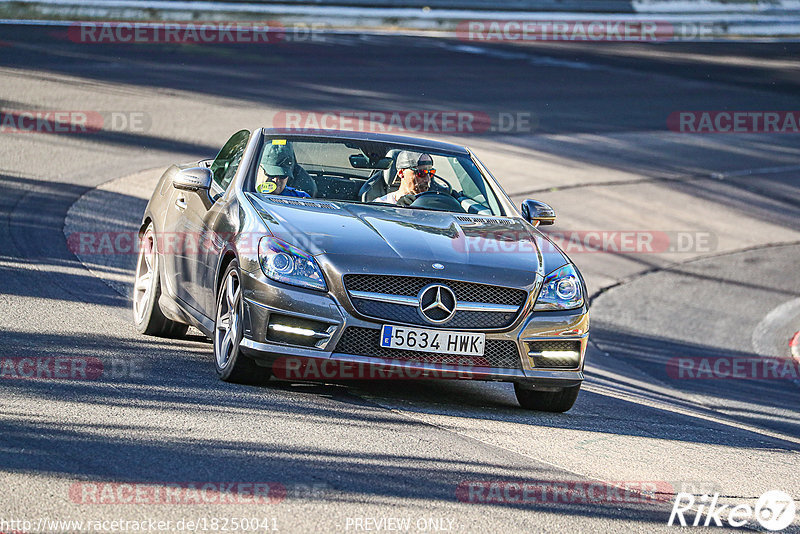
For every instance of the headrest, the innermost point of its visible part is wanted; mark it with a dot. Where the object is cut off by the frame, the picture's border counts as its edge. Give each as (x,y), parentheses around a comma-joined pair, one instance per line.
(391,173)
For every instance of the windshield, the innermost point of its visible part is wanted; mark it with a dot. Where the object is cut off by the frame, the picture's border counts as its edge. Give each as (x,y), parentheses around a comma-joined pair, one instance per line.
(372,173)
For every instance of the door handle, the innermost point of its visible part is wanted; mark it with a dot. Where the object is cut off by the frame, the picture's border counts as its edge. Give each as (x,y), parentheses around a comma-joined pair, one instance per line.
(180,203)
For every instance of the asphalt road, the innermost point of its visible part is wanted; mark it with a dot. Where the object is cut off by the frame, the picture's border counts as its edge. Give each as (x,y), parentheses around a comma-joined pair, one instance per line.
(351,456)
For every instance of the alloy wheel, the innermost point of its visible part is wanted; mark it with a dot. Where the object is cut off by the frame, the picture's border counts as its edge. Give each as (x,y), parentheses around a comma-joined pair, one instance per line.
(226,335)
(145,269)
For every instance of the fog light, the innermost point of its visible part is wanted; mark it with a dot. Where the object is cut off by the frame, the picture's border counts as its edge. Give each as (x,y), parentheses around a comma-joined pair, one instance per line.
(298,331)
(292,330)
(566,354)
(559,354)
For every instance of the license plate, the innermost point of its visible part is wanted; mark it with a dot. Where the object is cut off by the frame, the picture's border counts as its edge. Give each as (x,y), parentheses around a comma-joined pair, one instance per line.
(442,342)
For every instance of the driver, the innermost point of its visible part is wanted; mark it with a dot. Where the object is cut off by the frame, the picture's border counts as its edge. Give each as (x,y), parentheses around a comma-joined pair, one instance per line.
(414,170)
(274,171)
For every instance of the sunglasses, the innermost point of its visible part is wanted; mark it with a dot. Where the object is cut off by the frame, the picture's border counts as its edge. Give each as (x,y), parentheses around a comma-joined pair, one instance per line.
(280,177)
(424,172)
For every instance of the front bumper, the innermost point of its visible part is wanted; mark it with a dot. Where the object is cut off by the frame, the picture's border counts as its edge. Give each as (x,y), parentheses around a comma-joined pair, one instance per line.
(266,301)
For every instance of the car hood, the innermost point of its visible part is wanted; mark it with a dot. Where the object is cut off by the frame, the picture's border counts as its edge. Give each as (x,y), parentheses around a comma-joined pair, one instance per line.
(374,238)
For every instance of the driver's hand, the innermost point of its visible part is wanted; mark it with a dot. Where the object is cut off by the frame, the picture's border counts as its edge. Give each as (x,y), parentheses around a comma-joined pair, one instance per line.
(406,200)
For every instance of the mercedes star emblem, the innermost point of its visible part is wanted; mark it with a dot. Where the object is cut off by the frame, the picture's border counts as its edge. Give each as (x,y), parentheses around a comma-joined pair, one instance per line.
(437,303)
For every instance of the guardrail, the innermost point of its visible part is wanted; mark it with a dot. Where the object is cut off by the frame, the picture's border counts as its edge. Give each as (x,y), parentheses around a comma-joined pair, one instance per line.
(577,6)
(709,19)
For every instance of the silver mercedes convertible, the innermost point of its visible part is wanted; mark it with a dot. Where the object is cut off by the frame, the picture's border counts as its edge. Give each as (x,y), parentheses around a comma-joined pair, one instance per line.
(332,255)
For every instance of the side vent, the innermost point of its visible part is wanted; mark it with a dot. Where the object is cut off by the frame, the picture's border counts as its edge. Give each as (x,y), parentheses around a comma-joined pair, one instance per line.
(303,203)
(483,220)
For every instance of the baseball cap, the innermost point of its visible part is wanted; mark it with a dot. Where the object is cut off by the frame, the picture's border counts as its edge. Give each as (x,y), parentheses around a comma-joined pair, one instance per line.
(277,160)
(412,160)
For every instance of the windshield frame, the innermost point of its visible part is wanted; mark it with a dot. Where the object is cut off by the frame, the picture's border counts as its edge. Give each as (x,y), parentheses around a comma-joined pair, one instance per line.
(504,203)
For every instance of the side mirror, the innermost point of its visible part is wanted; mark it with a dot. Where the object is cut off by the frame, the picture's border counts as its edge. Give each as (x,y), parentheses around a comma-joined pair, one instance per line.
(194,179)
(535,212)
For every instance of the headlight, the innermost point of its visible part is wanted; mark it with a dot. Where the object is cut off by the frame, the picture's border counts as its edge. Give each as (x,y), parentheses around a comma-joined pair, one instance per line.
(561,290)
(282,262)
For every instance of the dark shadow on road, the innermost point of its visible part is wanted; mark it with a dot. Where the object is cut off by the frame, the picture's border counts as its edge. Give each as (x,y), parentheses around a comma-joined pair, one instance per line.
(175,377)
(185,368)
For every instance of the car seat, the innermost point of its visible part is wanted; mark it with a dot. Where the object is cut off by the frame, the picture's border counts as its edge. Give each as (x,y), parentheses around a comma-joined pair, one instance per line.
(381,183)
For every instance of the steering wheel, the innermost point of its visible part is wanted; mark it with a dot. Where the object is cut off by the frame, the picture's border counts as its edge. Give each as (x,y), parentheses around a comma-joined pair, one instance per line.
(444,184)
(437,200)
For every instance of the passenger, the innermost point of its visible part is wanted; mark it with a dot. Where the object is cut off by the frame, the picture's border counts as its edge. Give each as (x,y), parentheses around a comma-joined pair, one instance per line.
(414,170)
(274,172)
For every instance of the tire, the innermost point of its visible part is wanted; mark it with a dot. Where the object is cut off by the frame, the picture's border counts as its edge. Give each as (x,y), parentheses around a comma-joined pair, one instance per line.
(231,364)
(547,401)
(147,315)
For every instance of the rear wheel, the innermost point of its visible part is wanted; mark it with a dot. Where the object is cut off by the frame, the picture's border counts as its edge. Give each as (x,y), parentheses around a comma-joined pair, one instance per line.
(547,401)
(147,315)
(231,364)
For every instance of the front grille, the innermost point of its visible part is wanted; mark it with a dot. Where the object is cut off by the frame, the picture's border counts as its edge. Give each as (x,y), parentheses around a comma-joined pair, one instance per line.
(411,285)
(467,320)
(360,341)
(554,345)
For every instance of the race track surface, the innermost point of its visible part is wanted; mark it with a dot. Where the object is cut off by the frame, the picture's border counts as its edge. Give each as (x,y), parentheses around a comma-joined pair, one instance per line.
(350,455)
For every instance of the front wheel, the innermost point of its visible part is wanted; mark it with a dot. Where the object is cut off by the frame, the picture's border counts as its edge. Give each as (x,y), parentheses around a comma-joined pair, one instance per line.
(547,401)
(231,364)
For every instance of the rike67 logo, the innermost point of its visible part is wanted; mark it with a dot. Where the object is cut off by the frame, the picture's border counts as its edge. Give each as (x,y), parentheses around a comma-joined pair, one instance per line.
(774,510)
